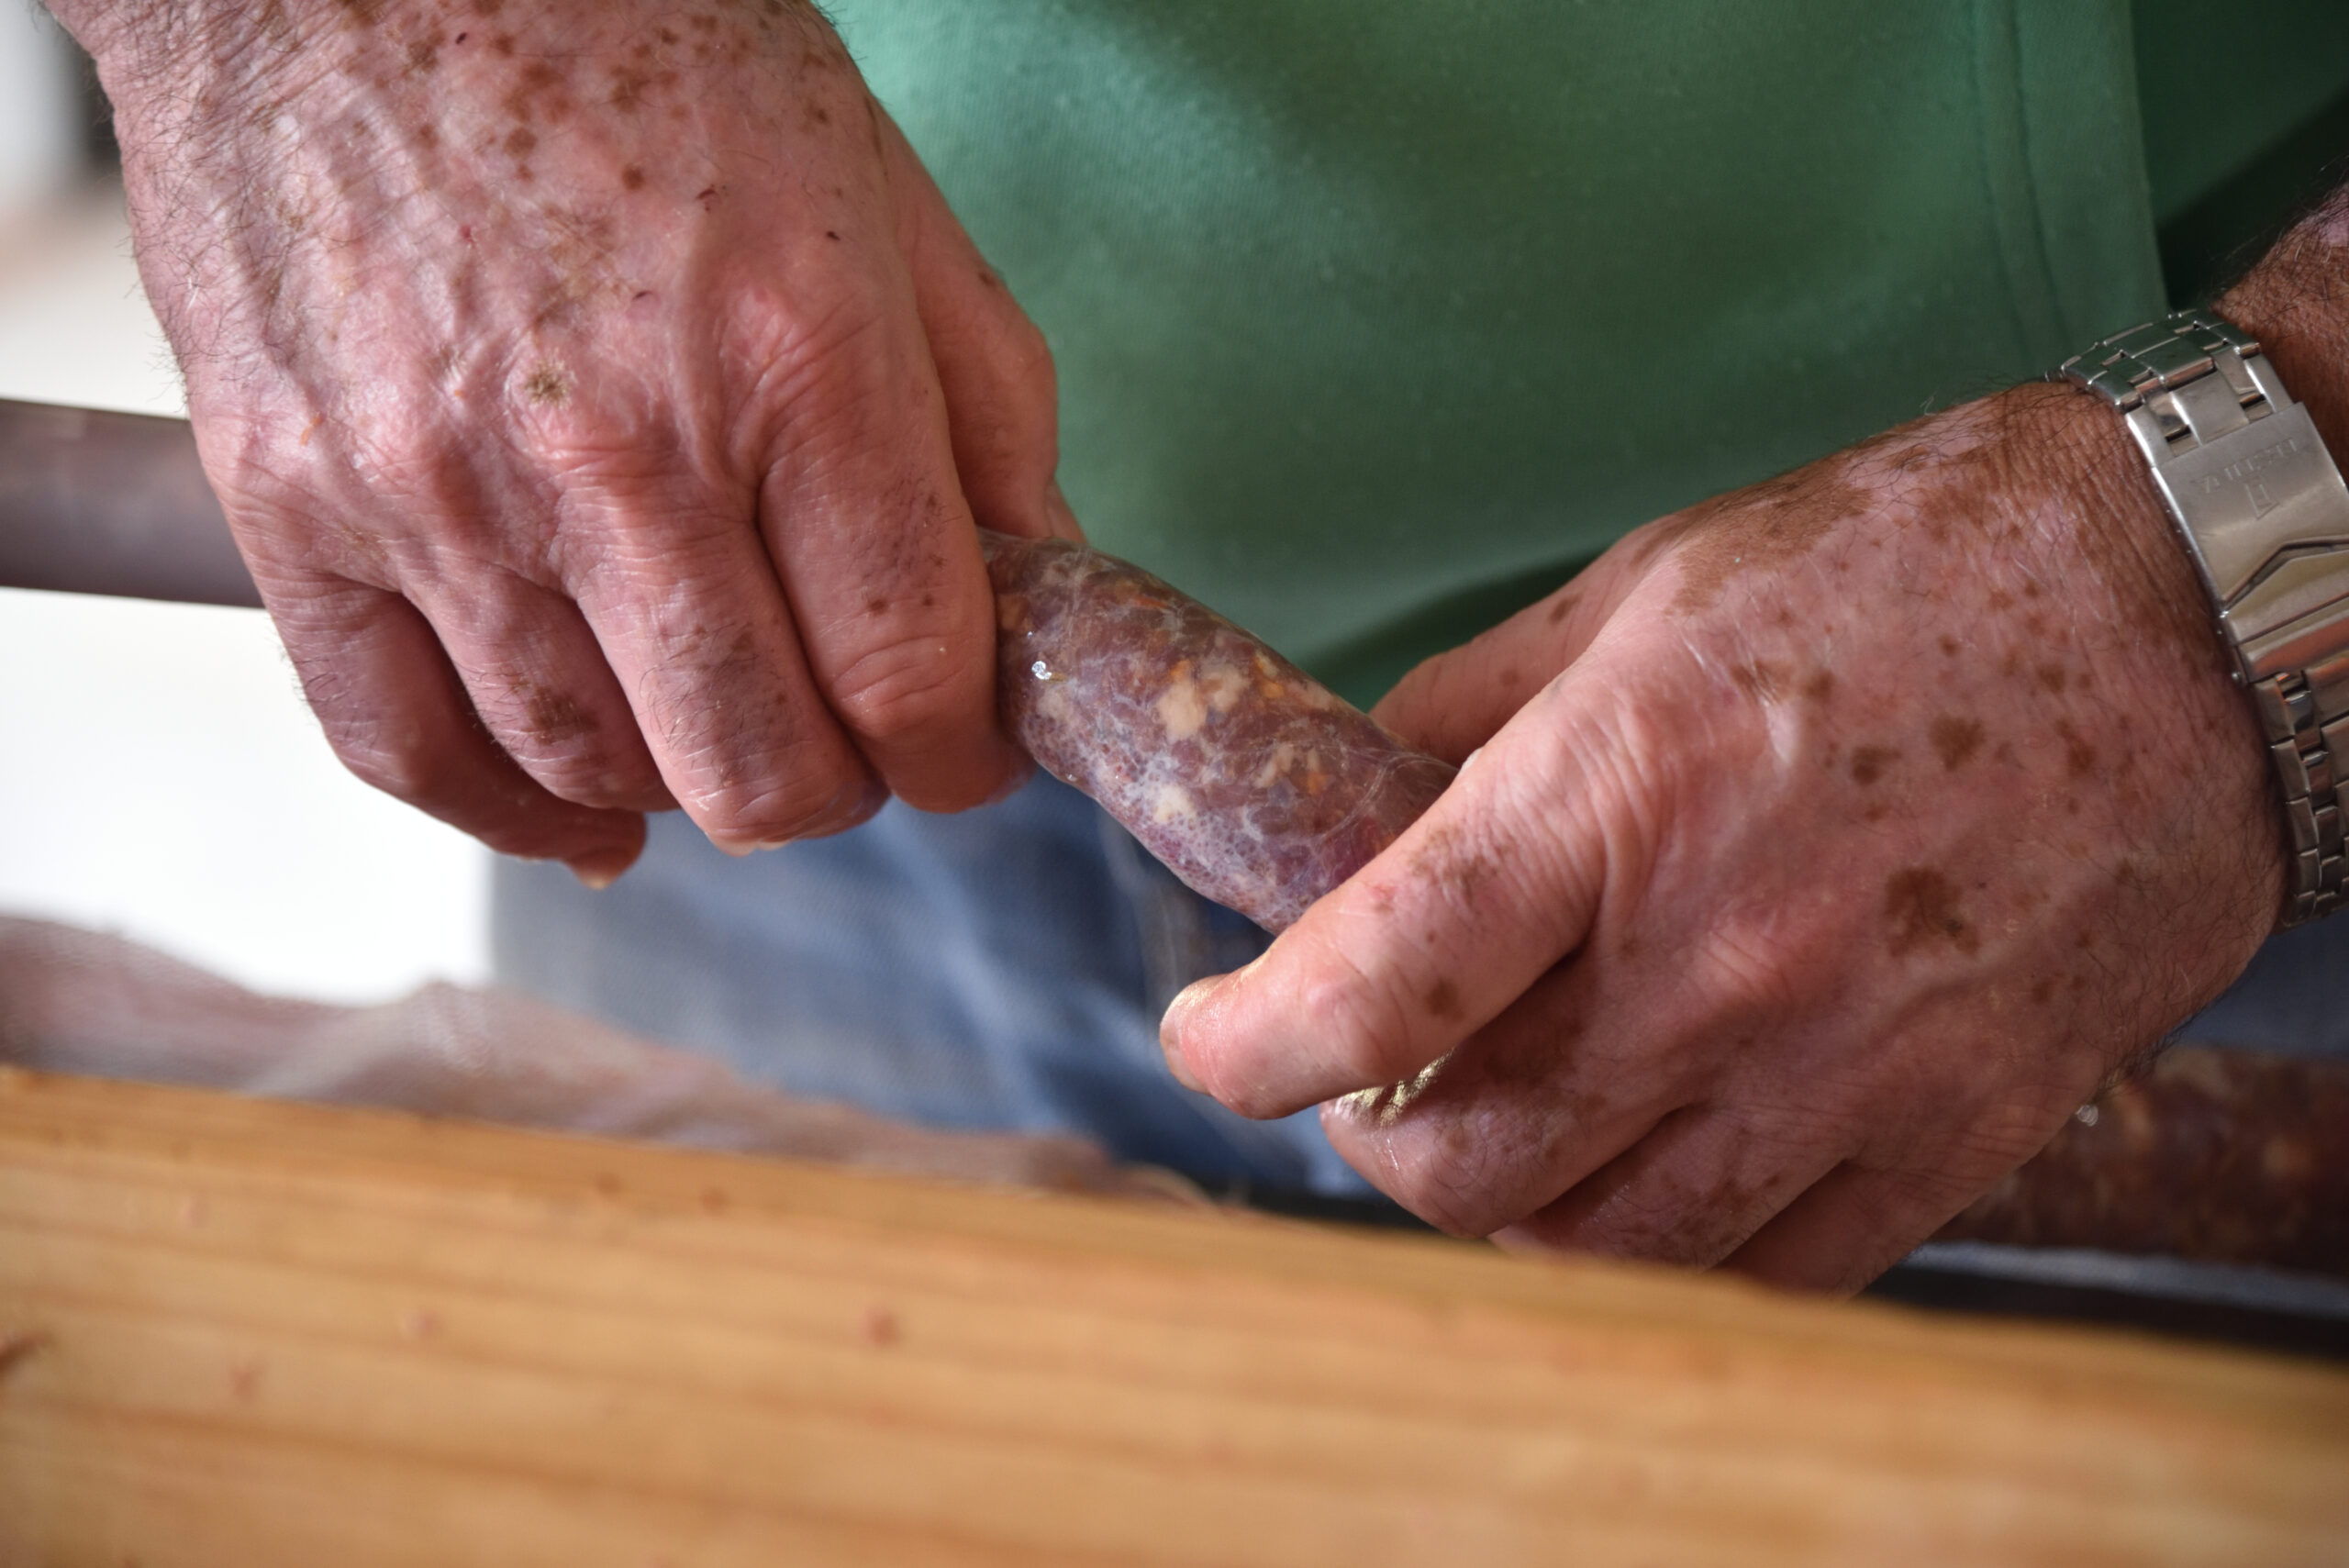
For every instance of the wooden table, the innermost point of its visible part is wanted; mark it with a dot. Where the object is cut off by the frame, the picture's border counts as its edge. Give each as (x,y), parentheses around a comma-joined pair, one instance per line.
(250,1333)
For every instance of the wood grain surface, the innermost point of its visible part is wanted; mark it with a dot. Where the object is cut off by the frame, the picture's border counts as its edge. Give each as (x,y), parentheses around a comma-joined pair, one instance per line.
(253,1333)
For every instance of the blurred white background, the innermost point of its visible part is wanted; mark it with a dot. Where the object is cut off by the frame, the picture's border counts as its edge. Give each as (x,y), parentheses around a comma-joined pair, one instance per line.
(159,773)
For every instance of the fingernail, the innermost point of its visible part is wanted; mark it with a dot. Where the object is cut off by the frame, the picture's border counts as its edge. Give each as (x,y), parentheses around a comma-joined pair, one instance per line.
(1182,1069)
(1023,768)
(854,805)
(1179,1013)
(600,870)
(851,804)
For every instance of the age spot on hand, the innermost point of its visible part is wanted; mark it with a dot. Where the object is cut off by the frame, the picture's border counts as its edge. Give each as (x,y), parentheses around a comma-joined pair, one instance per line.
(1922,906)
(1780,522)
(2079,757)
(1869,762)
(1460,868)
(557,717)
(1956,740)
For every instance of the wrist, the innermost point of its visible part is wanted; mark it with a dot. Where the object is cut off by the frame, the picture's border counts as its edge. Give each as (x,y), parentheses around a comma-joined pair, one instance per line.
(2165,682)
(2295,301)
(2234,409)
(2243,467)
(2072,450)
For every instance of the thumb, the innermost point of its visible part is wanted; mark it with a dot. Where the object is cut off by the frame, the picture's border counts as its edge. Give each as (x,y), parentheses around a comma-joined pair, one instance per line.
(1427,943)
(1454,702)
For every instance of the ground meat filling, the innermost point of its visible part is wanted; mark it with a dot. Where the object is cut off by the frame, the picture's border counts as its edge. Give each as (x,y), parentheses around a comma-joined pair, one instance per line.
(1253,782)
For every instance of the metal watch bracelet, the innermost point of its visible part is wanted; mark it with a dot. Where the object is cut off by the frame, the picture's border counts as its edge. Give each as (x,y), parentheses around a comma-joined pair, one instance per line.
(2256,497)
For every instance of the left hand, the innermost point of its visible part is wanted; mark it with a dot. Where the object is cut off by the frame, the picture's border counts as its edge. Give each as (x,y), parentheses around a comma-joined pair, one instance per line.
(1859,824)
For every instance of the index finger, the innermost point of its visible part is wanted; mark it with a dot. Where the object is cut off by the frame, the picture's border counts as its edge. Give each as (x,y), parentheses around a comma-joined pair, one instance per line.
(867,526)
(1431,940)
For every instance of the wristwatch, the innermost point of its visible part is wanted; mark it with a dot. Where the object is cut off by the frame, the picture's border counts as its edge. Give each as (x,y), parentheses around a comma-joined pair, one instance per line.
(2261,507)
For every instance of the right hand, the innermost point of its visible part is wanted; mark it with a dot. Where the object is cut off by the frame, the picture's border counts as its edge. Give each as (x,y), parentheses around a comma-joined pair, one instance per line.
(603,397)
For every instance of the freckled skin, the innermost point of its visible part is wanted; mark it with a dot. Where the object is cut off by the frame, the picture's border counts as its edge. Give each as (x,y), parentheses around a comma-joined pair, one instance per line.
(1822,902)
(1870,763)
(1956,740)
(520,339)
(1920,907)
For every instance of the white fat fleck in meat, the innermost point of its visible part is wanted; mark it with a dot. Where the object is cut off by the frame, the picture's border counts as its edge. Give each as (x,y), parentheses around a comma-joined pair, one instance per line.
(1056,706)
(1182,708)
(1275,765)
(1225,684)
(1170,802)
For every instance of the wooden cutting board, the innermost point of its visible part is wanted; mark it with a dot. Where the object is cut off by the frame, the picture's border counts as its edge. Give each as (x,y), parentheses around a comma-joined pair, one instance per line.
(252,1333)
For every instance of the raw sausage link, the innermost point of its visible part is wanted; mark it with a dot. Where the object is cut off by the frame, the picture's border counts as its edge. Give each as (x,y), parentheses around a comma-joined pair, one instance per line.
(1256,784)
(2228,1156)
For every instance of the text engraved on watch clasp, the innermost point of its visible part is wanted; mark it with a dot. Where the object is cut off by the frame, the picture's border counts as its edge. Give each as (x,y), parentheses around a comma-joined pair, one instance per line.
(2255,494)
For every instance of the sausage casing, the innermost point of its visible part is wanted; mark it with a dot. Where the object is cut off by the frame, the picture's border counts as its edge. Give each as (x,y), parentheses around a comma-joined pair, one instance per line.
(1256,784)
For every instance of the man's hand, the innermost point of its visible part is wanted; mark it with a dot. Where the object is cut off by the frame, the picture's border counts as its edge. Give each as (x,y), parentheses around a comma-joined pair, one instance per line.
(602,397)
(1858,825)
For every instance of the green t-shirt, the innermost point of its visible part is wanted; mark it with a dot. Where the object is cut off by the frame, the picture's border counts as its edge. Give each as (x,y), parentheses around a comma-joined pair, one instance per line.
(1376,319)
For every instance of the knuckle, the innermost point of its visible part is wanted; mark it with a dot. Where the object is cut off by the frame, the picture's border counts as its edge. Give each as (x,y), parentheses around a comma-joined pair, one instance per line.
(398,456)
(1362,1027)
(552,733)
(1035,378)
(746,747)
(624,456)
(1639,1223)
(403,759)
(1446,1185)
(585,773)
(909,687)
(1998,1137)
(786,803)
(822,345)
